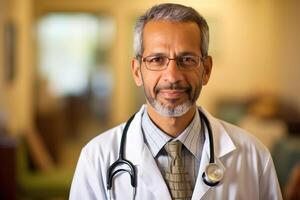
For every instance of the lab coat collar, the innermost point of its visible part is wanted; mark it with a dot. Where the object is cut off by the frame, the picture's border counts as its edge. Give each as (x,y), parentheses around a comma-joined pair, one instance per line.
(222,141)
(223,145)
(135,139)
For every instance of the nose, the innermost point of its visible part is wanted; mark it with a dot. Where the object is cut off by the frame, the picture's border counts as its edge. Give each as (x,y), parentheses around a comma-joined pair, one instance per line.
(172,73)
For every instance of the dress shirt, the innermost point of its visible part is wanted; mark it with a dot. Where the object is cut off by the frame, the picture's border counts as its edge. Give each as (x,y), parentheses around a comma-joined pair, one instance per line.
(192,139)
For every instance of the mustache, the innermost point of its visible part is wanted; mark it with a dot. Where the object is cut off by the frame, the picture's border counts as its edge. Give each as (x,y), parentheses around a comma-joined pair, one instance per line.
(172,86)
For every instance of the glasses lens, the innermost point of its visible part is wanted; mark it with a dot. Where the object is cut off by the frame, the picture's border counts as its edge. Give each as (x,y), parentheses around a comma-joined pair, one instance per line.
(188,61)
(156,62)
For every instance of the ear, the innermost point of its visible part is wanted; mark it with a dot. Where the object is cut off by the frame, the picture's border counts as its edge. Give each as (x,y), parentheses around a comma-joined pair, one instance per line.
(207,64)
(136,72)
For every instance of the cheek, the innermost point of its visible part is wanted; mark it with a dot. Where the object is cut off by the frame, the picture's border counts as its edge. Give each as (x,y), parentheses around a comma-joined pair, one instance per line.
(195,82)
(195,79)
(150,80)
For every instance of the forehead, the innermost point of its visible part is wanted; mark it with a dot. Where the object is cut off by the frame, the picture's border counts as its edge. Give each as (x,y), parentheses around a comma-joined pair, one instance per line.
(163,35)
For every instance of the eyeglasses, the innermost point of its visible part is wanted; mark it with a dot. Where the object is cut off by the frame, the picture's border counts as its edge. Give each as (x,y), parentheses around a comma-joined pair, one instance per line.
(161,62)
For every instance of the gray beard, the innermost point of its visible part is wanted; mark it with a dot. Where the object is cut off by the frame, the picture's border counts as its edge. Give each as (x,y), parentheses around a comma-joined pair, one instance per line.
(171,112)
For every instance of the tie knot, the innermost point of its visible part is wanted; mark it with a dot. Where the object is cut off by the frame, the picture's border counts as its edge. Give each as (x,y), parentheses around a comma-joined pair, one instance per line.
(174,148)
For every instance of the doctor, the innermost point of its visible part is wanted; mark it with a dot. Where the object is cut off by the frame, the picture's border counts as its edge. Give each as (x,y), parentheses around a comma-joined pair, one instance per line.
(172,64)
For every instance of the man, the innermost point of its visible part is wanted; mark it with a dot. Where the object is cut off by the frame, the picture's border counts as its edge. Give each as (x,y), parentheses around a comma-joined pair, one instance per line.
(168,141)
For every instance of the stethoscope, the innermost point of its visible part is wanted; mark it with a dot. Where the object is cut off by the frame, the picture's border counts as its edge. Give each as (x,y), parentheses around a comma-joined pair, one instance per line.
(211,176)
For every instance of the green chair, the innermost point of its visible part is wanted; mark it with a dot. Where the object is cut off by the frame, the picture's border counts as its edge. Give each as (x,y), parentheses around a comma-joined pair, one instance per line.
(34,184)
(286,155)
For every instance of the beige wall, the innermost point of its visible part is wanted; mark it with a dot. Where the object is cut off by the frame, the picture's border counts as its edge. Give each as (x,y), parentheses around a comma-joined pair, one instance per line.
(251,53)
(17,98)
(3,14)
(246,62)
(288,29)
(5,17)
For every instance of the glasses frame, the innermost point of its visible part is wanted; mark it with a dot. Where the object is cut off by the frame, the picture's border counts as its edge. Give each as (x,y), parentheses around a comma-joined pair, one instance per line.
(176,59)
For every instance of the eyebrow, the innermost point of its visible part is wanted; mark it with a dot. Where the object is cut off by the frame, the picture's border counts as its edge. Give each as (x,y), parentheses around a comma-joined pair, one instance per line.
(185,53)
(188,53)
(157,54)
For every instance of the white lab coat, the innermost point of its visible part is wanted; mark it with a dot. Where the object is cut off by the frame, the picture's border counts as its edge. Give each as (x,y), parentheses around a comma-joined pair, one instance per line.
(249,170)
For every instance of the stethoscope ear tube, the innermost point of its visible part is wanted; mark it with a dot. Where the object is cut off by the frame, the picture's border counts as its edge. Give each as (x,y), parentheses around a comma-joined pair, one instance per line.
(112,171)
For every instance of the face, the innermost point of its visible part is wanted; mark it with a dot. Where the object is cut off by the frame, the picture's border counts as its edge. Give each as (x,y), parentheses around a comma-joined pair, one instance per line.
(173,91)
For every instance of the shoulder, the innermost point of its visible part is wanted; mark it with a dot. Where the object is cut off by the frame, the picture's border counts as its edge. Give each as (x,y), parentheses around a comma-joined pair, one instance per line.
(252,156)
(242,138)
(248,149)
(104,146)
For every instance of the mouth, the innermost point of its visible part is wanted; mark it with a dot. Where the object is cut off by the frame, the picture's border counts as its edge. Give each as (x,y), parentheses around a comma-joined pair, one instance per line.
(172,94)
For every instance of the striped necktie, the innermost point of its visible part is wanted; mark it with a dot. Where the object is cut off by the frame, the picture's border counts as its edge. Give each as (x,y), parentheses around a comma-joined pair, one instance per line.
(177,179)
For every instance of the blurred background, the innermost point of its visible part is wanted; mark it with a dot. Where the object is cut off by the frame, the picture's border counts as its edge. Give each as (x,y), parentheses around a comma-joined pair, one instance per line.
(65,77)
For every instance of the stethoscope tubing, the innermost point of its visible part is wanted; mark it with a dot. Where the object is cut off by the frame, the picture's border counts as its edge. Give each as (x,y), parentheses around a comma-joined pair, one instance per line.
(210,137)
(112,171)
(121,160)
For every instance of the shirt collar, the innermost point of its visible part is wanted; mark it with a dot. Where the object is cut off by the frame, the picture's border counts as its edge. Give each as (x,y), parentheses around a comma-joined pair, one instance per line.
(155,138)
(191,137)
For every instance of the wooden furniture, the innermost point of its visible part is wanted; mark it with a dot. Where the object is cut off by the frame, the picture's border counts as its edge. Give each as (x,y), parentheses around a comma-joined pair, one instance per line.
(7,168)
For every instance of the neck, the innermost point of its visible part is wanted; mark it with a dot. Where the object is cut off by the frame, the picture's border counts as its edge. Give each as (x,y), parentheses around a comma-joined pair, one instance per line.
(172,126)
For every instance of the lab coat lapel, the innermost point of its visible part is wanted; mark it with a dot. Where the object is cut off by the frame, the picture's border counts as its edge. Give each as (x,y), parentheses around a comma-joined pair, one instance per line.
(135,141)
(151,176)
(223,145)
(200,187)
(138,153)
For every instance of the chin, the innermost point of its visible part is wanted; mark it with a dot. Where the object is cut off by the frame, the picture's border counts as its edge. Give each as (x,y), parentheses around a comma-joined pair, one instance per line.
(172,111)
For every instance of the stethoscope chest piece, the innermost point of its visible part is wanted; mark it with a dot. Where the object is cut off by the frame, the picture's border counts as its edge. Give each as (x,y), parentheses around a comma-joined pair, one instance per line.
(213,174)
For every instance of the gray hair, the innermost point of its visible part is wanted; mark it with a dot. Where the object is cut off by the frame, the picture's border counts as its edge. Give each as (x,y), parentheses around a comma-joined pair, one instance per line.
(171,12)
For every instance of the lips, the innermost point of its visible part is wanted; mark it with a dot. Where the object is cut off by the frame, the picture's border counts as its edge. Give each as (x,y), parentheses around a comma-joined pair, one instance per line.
(172,93)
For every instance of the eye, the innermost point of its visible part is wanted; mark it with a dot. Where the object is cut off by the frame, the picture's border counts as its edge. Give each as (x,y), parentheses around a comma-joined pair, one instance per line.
(189,60)
(156,60)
